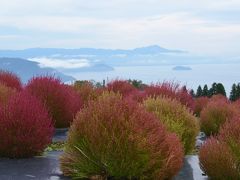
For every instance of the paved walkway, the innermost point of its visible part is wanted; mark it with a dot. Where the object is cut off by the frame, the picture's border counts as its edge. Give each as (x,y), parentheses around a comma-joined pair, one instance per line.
(47,167)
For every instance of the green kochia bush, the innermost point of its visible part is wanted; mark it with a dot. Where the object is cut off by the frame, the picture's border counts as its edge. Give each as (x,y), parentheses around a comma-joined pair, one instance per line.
(112,137)
(177,118)
(25,127)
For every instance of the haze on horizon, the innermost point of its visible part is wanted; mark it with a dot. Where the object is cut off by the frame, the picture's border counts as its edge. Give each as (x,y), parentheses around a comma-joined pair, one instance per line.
(207,27)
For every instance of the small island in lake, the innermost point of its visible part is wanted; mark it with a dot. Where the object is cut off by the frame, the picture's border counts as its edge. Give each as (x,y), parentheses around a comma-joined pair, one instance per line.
(181,68)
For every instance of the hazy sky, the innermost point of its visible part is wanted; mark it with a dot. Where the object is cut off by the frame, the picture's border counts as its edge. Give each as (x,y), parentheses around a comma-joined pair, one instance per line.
(202,27)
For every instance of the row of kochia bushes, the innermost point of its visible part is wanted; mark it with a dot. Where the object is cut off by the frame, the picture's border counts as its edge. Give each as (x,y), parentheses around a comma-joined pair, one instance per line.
(118,131)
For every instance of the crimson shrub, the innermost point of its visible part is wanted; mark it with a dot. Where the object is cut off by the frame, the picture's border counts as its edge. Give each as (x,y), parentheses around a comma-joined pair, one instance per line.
(61,100)
(114,137)
(121,86)
(11,80)
(25,127)
(171,90)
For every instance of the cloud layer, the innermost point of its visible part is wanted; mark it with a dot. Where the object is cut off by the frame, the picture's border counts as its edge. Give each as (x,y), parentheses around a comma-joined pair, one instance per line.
(204,27)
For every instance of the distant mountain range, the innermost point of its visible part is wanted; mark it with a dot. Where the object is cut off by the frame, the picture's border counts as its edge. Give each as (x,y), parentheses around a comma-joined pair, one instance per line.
(60,61)
(46,52)
(27,69)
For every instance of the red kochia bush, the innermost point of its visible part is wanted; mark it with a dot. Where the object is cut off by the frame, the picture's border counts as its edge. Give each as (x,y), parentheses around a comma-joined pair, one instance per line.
(121,86)
(217,160)
(215,114)
(11,80)
(61,100)
(116,138)
(25,127)
(171,90)
(220,157)
(200,103)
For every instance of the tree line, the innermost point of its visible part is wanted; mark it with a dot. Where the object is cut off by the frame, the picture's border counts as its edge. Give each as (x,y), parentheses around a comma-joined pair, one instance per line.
(217,88)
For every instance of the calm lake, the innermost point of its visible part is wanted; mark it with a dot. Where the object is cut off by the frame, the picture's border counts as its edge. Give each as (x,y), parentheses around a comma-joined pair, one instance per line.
(200,74)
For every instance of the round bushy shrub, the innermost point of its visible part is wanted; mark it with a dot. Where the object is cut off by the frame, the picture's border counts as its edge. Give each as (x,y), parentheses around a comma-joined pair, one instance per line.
(121,86)
(116,138)
(171,90)
(200,103)
(177,118)
(219,97)
(25,127)
(62,101)
(217,160)
(230,134)
(10,80)
(86,91)
(5,93)
(215,114)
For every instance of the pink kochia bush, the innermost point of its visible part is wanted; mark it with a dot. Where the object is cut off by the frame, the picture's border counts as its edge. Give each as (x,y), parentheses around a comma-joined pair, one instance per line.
(215,114)
(171,90)
(121,86)
(220,156)
(200,103)
(25,127)
(61,100)
(116,138)
(10,80)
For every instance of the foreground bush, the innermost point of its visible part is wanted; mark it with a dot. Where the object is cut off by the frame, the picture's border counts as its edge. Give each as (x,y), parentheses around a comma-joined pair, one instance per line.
(177,118)
(215,114)
(61,100)
(230,134)
(116,138)
(25,127)
(10,80)
(200,103)
(217,160)
(220,157)
(5,93)
(171,90)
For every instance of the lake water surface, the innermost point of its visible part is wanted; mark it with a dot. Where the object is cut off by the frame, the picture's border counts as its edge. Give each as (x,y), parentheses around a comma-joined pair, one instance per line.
(199,75)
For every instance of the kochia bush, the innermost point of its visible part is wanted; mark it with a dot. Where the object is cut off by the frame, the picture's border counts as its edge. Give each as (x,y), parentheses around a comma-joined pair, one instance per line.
(61,100)
(200,103)
(177,118)
(215,114)
(220,156)
(5,93)
(86,91)
(25,127)
(217,160)
(10,80)
(121,86)
(116,138)
(171,90)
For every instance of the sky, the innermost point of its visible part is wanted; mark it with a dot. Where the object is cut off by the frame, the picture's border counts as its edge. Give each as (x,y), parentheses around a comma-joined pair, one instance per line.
(206,27)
